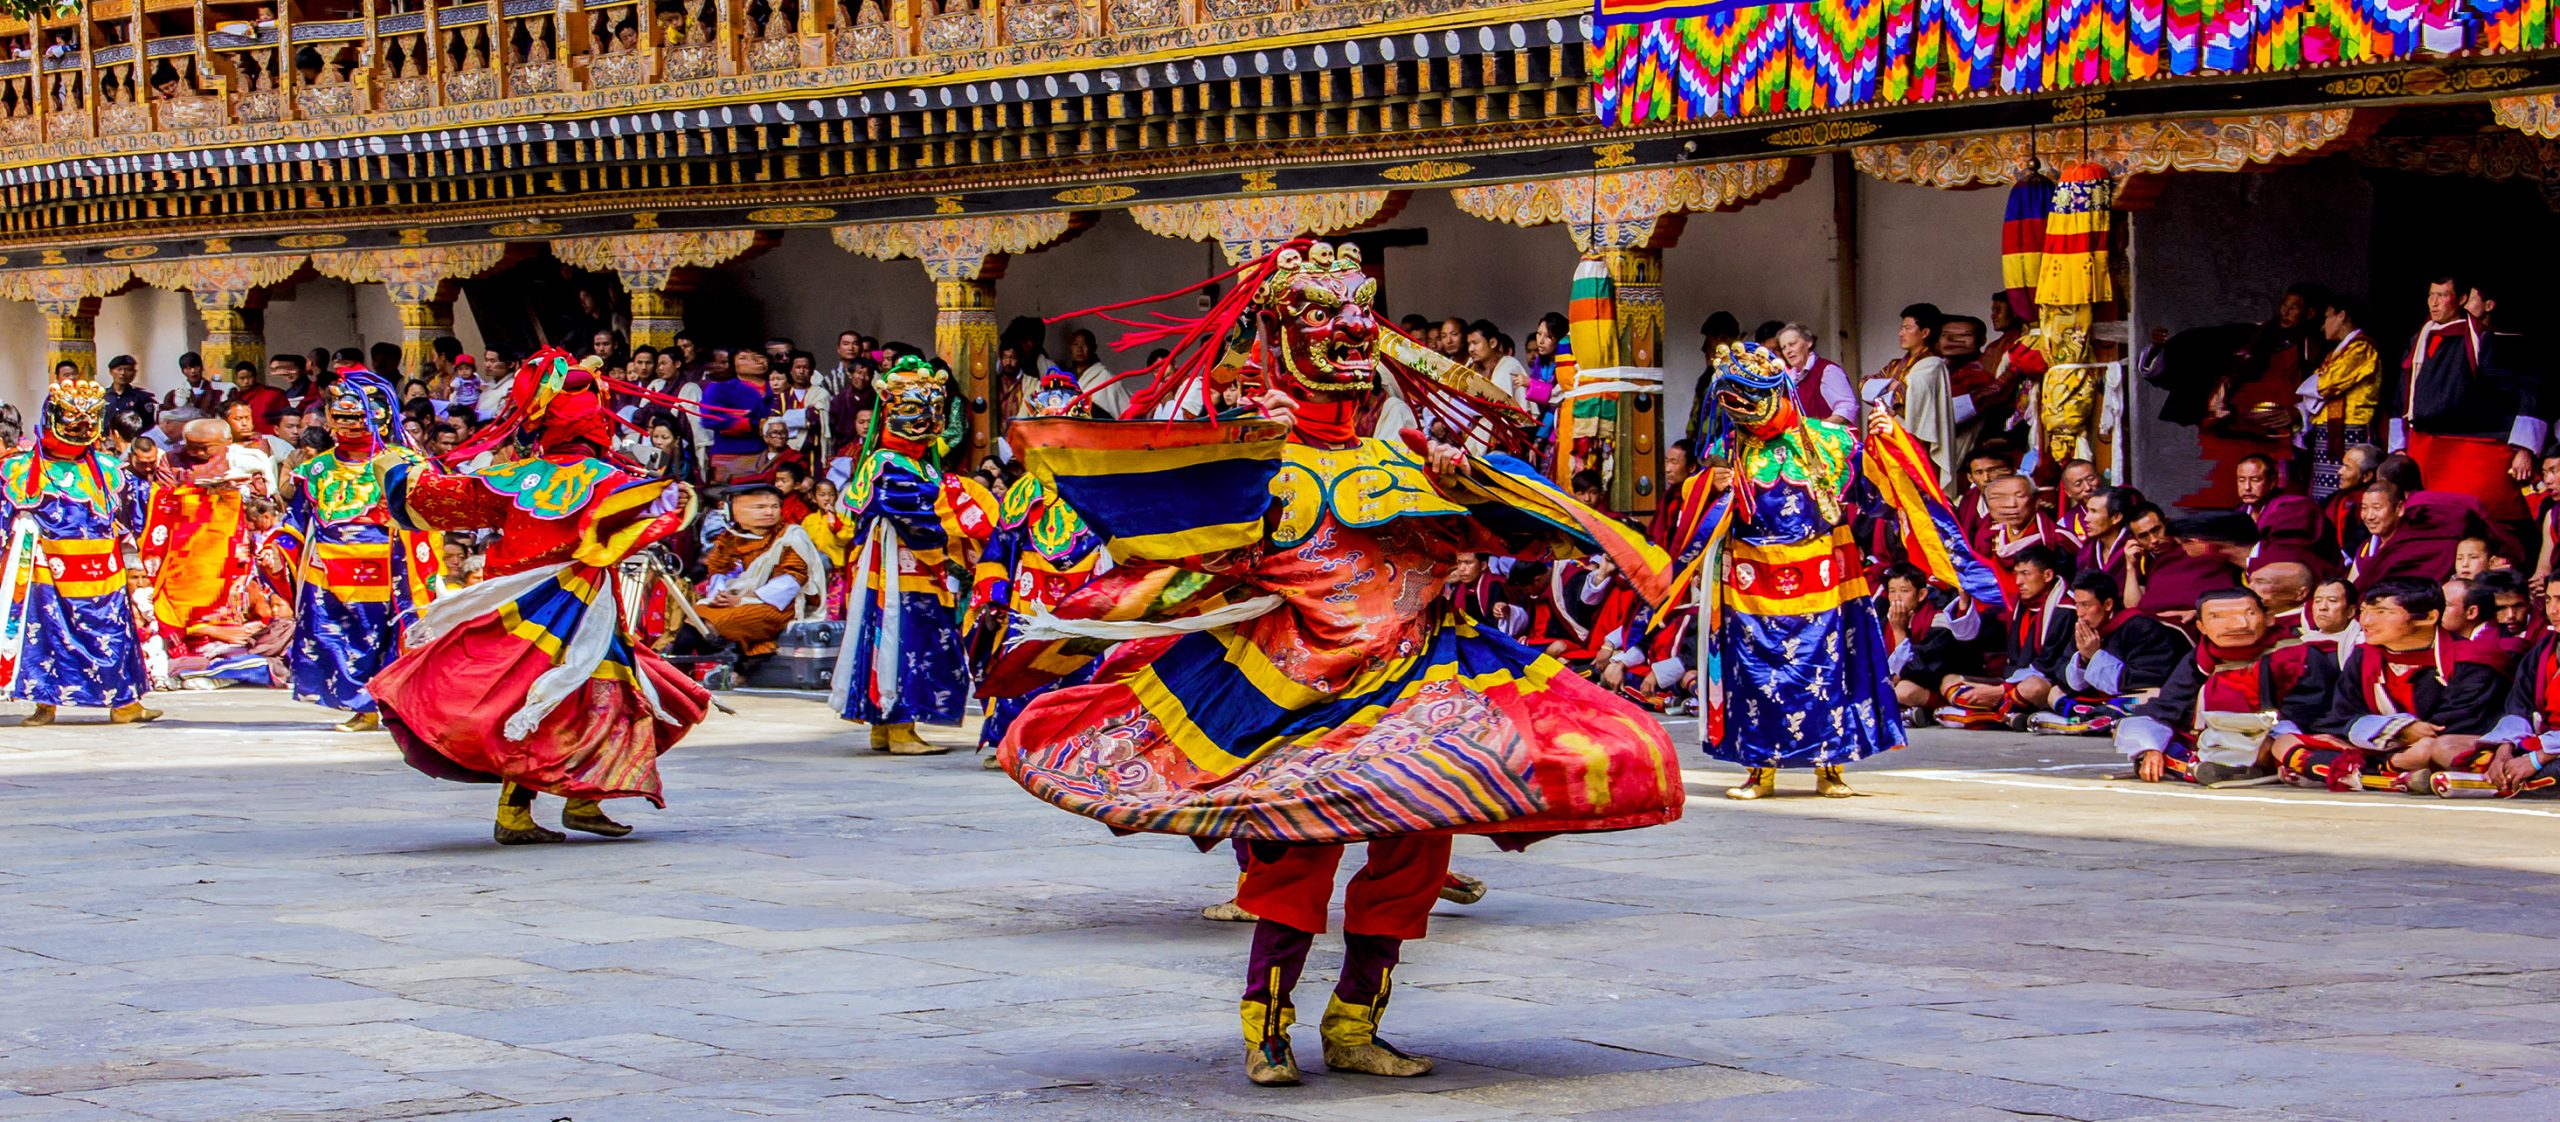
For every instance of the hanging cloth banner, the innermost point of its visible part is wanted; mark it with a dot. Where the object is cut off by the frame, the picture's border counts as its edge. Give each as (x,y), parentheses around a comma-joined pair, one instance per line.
(1611,13)
(2022,244)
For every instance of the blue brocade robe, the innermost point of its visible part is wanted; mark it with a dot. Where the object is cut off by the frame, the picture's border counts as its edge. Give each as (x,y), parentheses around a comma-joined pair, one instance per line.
(72,607)
(903,660)
(363,581)
(1801,657)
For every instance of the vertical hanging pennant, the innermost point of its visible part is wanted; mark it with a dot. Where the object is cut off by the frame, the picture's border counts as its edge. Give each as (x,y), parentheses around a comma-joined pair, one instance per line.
(1591,317)
(2022,243)
(2073,282)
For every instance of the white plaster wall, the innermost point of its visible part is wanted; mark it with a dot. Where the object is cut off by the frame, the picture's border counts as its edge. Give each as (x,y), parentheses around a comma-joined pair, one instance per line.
(1770,260)
(316,312)
(22,372)
(152,325)
(1922,245)
(812,291)
(1477,269)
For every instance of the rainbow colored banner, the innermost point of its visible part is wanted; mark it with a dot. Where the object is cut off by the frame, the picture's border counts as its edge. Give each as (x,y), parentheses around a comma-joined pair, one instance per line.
(1612,13)
(1679,60)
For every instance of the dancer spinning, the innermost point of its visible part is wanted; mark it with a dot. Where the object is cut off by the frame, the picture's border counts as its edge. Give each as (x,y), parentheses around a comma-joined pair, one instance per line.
(67,633)
(1797,672)
(362,580)
(531,678)
(1298,683)
(906,526)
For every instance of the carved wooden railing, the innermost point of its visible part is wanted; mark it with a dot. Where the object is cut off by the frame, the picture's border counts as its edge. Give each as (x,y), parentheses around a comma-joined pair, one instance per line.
(129,75)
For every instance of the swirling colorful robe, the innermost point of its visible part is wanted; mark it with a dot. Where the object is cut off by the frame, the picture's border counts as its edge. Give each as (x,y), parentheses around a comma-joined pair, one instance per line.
(902,522)
(1040,552)
(69,617)
(533,674)
(363,580)
(1308,682)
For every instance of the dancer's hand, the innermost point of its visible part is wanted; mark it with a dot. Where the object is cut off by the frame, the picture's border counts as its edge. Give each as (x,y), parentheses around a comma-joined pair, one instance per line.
(2150,766)
(1446,460)
(1278,406)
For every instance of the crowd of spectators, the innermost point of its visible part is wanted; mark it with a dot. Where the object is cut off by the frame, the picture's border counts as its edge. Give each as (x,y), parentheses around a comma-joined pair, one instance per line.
(2351,527)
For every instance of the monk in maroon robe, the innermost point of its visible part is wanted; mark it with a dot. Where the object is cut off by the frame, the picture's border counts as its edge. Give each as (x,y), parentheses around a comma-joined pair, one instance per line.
(2413,535)
(2172,572)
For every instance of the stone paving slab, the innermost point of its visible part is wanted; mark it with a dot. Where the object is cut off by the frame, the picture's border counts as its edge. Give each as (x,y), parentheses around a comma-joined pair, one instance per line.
(239,914)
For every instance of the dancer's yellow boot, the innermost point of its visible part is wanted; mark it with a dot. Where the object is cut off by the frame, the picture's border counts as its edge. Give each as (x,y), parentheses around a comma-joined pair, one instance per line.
(1227,911)
(515,819)
(1459,888)
(131,713)
(361,722)
(43,716)
(1828,783)
(1351,1040)
(1268,1060)
(586,817)
(903,741)
(1761,783)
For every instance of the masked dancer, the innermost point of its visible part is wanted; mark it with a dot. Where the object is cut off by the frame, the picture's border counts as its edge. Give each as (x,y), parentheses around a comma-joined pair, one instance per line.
(1288,673)
(532,679)
(1797,667)
(361,578)
(906,528)
(67,633)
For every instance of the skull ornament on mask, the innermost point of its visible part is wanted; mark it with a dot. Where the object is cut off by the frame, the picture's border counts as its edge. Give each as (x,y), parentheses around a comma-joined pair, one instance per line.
(1751,387)
(1320,323)
(75,410)
(912,400)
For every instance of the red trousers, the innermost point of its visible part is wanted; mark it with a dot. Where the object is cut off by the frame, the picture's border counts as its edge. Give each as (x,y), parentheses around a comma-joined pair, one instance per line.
(1391,895)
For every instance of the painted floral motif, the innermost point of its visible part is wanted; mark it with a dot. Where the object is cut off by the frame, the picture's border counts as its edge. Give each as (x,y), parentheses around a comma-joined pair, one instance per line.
(868,41)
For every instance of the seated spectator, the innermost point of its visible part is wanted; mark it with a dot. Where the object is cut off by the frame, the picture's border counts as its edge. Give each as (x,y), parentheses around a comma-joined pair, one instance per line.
(1588,602)
(2228,712)
(1972,506)
(2520,755)
(2170,570)
(2106,539)
(2341,514)
(2119,659)
(1930,645)
(791,477)
(2460,621)
(2069,498)
(2511,606)
(2284,591)
(2254,480)
(2489,608)
(2013,522)
(2038,644)
(1647,662)
(2404,685)
(2470,557)
(759,568)
(2393,549)
(1481,595)
(2330,616)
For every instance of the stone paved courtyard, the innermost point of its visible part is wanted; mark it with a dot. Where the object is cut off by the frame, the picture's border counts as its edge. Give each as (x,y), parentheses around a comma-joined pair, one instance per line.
(238,914)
